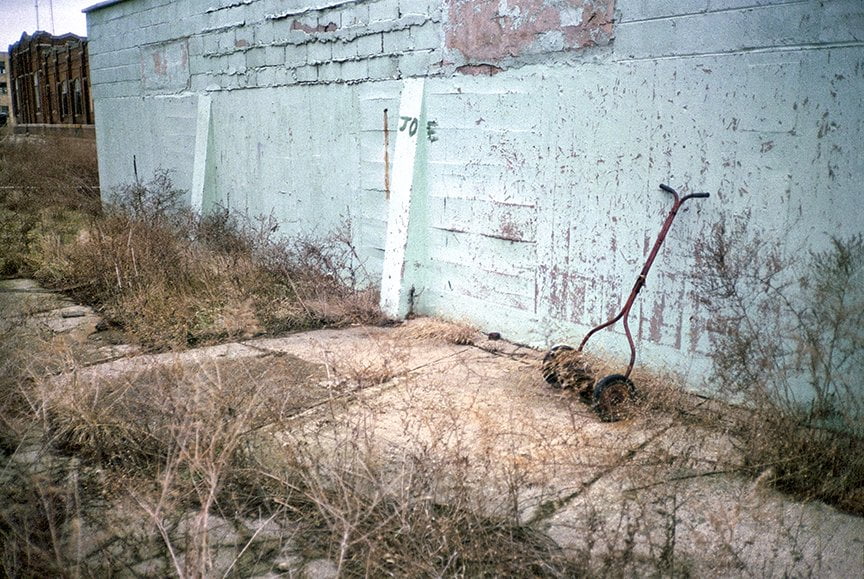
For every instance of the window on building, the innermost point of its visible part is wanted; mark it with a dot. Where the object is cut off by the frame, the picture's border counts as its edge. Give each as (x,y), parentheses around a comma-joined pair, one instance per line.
(4,89)
(64,98)
(76,97)
(36,94)
(2,67)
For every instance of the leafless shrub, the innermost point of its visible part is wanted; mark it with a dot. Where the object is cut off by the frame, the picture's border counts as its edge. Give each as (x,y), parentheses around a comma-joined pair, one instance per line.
(157,200)
(325,279)
(422,520)
(173,279)
(787,340)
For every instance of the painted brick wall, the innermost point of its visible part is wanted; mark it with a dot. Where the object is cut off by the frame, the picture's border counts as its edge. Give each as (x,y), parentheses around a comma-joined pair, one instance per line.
(227,45)
(556,121)
(327,67)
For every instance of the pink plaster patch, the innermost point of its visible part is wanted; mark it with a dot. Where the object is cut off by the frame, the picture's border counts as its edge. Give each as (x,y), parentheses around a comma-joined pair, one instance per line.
(595,28)
(490,30)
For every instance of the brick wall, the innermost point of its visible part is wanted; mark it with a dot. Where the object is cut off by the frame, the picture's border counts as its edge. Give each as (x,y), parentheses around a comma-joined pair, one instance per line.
(262,44)
(254,44)
(5,91)
(49,80)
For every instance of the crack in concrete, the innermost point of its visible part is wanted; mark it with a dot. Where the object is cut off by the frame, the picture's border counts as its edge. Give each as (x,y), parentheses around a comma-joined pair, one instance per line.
(548,509)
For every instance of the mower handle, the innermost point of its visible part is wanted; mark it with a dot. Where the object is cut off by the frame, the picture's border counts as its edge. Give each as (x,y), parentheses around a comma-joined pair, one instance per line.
(669,189)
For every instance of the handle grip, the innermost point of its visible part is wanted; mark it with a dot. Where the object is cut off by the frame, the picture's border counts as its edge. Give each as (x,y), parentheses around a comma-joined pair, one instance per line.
(698,195)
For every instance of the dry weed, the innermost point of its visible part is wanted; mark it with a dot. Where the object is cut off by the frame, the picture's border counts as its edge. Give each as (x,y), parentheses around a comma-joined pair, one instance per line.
(787,341)
(174,280)
(44,200)
(421,519)
(437,329)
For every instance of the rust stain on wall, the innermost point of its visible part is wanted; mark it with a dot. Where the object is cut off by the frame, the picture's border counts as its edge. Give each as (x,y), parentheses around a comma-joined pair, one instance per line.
(491,30)
(160,67)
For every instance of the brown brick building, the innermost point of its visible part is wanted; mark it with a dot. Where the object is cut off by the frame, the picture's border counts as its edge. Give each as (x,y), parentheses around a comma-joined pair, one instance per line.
(49,80)
(5,100)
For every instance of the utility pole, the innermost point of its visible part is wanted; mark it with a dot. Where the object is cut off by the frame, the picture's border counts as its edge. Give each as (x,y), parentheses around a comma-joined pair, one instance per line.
(37,14)
(51,11)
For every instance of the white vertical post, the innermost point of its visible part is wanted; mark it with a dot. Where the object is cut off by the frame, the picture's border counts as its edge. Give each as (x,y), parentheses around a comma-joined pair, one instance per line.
(395,291)
(202,148)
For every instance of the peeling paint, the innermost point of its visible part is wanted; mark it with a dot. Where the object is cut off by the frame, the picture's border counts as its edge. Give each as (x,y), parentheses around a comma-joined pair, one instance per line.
(488,31)
(300,25)
(479,70)
(165,67)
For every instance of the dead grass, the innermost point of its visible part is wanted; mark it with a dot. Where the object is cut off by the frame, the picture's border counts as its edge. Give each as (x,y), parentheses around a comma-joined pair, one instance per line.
(42,172)
(372,524)
(48,187)
(174,280)
(192,439)
(197,451)
(168,278)
(451,332)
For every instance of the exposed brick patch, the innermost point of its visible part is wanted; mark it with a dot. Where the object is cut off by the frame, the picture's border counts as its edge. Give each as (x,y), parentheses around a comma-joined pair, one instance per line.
(493,30)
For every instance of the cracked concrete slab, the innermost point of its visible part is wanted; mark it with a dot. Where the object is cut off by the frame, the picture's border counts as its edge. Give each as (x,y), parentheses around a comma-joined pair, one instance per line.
(639,487)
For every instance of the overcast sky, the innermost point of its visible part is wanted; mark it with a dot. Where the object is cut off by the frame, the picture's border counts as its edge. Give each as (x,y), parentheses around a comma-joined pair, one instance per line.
(18,16)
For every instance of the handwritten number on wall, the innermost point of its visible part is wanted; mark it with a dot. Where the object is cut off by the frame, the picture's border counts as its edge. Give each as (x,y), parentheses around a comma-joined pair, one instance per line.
(411,123)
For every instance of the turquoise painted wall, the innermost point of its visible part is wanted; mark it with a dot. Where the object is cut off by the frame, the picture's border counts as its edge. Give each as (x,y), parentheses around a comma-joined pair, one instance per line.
(541,189)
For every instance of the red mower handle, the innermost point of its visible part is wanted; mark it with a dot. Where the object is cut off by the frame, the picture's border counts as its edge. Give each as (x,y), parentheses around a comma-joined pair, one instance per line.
(669,189)
(640,281)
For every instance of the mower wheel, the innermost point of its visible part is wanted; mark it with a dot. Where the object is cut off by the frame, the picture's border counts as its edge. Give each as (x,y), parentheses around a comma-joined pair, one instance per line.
(612,395)
(549,373)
